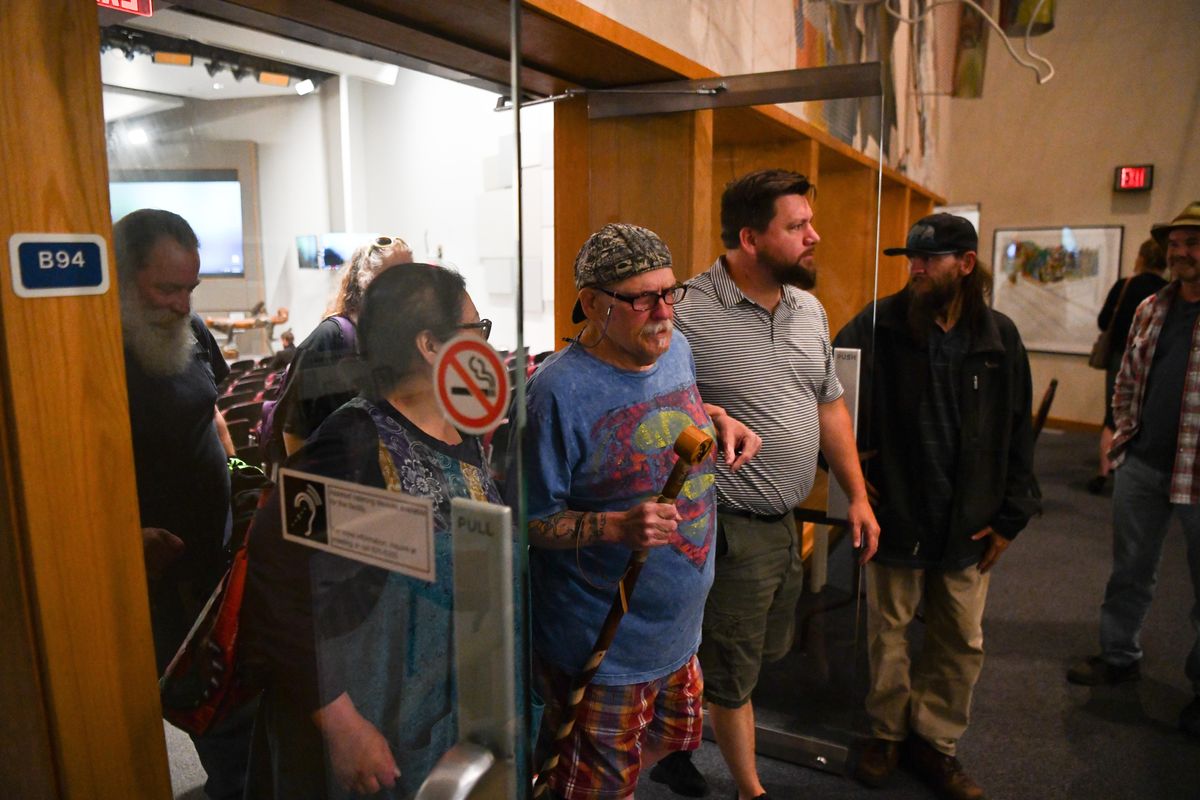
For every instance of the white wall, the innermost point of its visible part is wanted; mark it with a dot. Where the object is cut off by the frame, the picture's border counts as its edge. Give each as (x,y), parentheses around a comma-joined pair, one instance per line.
(438,167)
(294,196)
(1127,91)
(427,159)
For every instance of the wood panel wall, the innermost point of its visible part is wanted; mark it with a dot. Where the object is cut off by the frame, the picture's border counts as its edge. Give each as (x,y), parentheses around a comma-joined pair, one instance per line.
(81,718)
(653,171)
(893,231)
(733,160)
(844,216)
(640,169)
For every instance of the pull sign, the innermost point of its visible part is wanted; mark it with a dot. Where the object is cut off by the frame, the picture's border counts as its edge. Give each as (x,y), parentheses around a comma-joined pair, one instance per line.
(58,264)
(143,8)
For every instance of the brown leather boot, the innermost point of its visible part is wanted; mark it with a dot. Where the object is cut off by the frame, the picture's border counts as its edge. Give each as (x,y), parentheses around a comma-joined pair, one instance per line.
(940,772)
(876,762)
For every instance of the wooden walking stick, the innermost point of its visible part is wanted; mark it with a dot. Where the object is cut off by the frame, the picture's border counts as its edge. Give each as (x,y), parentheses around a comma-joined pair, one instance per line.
(692,445)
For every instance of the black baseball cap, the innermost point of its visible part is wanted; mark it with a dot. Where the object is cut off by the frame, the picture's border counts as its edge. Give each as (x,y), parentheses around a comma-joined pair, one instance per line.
(938,234)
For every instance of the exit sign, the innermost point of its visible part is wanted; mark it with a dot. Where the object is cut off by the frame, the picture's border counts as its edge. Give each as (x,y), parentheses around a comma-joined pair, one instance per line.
(143,8)
(1139,178)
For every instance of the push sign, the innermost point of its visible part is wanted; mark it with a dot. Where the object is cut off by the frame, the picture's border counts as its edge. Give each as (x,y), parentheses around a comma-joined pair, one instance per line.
(58,264)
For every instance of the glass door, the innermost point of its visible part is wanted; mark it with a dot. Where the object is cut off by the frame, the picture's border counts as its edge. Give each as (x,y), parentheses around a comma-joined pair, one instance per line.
(344,312)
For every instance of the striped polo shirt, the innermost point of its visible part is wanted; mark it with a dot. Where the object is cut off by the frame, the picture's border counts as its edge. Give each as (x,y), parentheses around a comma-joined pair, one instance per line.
(770,371)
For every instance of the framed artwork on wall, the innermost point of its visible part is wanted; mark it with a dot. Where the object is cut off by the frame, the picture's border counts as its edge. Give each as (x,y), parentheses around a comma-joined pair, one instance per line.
(1052,282)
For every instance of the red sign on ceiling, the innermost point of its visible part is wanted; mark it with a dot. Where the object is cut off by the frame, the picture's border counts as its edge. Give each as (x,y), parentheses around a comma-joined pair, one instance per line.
(143,8)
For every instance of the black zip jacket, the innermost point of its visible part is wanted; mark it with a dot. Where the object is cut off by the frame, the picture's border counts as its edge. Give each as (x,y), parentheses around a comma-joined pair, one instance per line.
(995,485)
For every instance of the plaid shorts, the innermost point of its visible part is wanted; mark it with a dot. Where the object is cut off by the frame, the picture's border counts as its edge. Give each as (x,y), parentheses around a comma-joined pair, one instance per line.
(602,757)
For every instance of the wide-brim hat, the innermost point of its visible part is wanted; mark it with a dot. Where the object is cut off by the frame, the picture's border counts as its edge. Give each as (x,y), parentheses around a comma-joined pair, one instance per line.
(616,252)
(1189,218)
(936,235)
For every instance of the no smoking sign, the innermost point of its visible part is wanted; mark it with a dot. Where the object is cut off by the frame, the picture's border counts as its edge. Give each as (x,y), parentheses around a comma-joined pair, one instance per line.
(471,384)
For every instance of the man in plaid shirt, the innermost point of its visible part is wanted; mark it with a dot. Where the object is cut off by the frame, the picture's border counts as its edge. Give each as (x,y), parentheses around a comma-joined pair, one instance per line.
(1156,405)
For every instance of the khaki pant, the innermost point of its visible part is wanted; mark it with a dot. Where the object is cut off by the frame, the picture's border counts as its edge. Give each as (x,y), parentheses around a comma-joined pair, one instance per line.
(929,695)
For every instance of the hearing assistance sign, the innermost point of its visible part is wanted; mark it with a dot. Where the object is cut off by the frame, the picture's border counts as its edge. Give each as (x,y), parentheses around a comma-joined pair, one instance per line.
(471,384)
(373,526)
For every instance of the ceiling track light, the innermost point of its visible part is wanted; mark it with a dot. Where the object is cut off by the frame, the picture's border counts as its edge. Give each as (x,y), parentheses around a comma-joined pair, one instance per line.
(176,59)
(174,51)
(274,79)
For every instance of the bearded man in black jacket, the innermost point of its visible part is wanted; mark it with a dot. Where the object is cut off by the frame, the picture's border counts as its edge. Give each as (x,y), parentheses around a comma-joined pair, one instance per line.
(947,439)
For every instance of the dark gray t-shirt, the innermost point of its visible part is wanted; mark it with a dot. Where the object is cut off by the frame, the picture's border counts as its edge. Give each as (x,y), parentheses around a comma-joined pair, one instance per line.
(939,422)
(1158,437)
(181,467)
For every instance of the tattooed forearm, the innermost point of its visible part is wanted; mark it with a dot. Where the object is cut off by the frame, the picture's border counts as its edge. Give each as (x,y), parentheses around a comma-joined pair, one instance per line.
(596,534)
(568,529)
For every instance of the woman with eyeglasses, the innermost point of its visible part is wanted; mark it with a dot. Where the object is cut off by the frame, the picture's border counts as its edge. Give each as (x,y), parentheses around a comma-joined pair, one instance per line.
(357,658)
(316,383)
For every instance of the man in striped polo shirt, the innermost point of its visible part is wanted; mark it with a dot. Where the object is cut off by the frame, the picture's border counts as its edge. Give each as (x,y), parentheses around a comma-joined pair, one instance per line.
(761,345)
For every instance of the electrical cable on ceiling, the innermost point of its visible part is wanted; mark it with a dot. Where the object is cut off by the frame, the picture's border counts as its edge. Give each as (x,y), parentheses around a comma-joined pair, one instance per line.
(1036,67)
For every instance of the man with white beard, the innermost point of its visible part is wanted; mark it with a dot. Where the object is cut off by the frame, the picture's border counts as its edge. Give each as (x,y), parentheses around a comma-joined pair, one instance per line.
(172,368)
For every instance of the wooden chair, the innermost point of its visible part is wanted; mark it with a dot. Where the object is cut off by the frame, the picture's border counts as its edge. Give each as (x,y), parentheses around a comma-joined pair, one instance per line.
(251,411)
(235,397)
(251,454)
(245,365)
(250,383)
(239,431)
(1039,419)
(1039,422)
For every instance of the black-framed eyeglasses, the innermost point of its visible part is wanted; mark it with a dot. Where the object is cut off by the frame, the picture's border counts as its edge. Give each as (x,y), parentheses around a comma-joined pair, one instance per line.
(646,301)
(484,326)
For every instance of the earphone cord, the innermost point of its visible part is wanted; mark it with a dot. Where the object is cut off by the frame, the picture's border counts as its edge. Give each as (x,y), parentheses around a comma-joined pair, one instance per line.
(578,339)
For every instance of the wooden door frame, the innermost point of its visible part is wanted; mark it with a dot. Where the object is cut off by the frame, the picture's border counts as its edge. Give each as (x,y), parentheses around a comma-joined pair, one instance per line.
(77,663)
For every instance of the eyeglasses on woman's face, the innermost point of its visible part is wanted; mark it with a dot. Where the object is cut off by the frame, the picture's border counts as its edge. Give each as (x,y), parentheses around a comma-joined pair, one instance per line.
(646,301)
(484,326)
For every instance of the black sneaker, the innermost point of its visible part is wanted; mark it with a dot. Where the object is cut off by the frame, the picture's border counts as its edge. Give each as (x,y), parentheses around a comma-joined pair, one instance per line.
(1189,718)
(680,775)
(1095,671)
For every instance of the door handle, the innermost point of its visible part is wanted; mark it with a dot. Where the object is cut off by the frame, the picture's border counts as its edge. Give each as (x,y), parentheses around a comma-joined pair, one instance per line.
(457,773)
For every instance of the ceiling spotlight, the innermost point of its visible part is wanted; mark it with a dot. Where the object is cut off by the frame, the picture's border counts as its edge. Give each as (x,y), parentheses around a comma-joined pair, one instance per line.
(177,59)
(239,71)
(305,86)
(213,67)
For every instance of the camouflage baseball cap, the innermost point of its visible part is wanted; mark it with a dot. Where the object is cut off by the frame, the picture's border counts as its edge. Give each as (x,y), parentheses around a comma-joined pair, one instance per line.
(615,252)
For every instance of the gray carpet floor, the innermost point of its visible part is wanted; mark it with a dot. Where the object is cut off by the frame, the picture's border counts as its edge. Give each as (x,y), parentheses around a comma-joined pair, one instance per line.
(1032,734)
